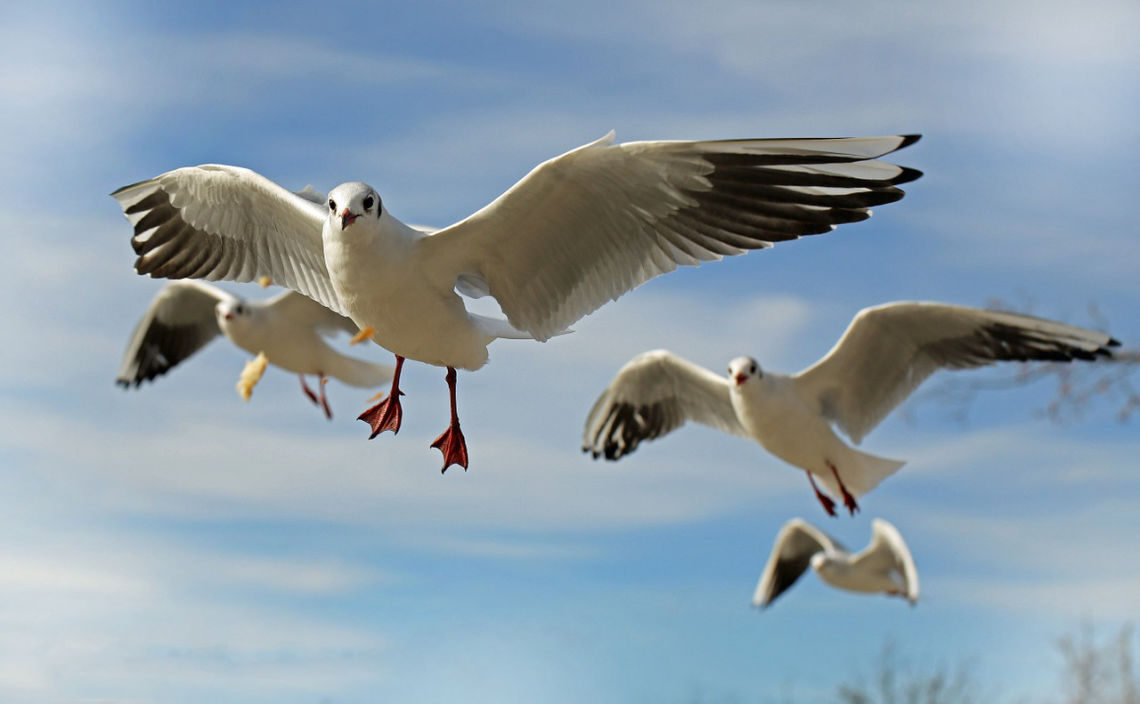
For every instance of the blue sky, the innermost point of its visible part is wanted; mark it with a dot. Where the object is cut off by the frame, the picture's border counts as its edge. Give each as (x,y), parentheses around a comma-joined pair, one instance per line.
(177,545)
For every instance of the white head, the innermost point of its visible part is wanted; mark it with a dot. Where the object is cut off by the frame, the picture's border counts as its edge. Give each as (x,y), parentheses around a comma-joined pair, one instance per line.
(353,200)
(232,312)
(742,370)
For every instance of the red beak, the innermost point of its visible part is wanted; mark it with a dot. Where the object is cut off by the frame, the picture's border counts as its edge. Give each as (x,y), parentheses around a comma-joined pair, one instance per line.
(228,316)
(740,379)
(347,218)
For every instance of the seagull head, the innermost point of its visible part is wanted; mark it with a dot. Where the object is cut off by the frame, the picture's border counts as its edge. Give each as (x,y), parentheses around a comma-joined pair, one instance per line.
(228,311)
(353,200)
(741,369)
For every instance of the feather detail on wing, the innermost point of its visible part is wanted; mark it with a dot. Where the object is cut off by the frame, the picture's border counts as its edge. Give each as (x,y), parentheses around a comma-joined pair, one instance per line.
(791,555)
(179,321)
(889,350)
(653,394)
(887,553)
(219,222)
(586,227)
(306,312)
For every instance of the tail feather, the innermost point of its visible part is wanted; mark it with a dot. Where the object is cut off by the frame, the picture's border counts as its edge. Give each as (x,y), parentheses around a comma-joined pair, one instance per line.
(496,327)
(861,473)
(357,372)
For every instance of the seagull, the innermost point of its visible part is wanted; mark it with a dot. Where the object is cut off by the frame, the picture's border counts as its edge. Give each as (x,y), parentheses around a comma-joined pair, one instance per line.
(186,315)
(886,353)
(885,566)
(579,230)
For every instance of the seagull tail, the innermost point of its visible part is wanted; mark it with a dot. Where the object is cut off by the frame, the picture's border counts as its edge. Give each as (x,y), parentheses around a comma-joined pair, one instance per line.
(495,327)
(871,470)
(357,372)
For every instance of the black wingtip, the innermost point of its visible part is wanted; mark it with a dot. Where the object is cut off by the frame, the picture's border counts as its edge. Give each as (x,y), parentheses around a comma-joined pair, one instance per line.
(907,140)
(906,176)
(1112,342)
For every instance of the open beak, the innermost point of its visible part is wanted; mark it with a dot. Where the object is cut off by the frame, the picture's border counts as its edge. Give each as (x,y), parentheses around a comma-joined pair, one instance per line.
(740,379)
(347,218)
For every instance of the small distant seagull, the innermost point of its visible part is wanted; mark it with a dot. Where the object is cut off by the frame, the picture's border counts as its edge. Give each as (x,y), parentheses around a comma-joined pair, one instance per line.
(578,231)
(887,351)
(885,566)
(185,315)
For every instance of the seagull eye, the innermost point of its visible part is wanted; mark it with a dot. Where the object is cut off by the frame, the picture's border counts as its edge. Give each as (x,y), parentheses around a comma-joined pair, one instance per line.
(369,201)
(332,205)
(753,370)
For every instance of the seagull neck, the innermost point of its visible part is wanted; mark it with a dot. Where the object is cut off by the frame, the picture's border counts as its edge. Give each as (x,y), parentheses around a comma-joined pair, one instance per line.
(395,232)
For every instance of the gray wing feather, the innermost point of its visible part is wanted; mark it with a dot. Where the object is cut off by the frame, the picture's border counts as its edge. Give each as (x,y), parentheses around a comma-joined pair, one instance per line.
(586,227)
(653,394)
(179,321)
(791,555)
(308,313)
(887,553)
(889,350)
(219,222)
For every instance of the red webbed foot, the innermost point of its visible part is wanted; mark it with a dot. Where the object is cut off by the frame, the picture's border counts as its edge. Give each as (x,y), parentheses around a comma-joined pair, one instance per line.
(453,446)
(385,415)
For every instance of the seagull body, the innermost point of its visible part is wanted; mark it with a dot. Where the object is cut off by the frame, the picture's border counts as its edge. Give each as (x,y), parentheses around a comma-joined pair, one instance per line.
(772,410)
(885,566)
(578,231)
(886,353)
(186,315)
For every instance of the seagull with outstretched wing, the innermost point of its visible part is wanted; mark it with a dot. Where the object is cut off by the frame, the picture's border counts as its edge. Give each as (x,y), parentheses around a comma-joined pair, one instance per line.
(885,566)
(886,353)
(579,230)
(184,316)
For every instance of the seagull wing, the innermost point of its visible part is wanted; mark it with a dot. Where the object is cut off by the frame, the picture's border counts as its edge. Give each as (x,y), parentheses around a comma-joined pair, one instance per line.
(306,312)
(890,349)
(888,553)
(791,555)
(654,394)
(585,227)
(224,222)
(178,323)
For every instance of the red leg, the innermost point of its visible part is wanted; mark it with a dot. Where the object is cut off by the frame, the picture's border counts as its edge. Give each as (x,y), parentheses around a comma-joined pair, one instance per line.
(324,400)
(306,390)
(451,441)
(827,501)
(848,499)
(387,414)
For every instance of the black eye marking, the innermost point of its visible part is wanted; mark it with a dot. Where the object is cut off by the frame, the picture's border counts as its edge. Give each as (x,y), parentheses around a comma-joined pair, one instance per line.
(332,205)
(754,368)
(369,201)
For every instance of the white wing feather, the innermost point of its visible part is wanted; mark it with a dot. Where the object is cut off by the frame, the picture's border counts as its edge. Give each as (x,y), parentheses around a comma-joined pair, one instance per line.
(179,321)
(652,395)
(791,555)
(585,227)
(889,350)
(224,222)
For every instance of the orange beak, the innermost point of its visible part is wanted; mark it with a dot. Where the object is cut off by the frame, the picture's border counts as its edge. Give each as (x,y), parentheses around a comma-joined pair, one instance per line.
(740,379)
(347,218)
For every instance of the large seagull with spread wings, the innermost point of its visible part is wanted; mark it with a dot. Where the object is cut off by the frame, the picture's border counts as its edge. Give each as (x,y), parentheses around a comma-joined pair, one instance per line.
(578,231)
